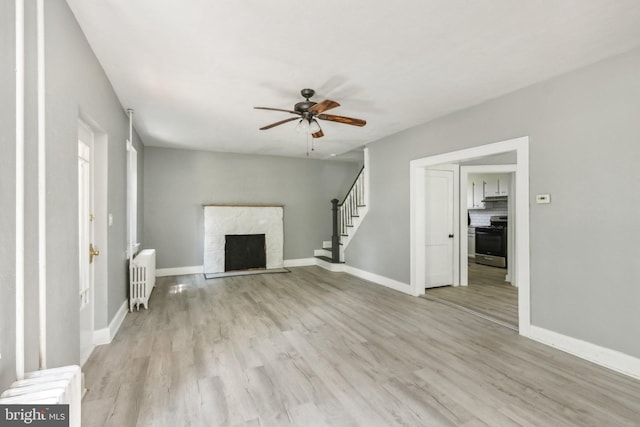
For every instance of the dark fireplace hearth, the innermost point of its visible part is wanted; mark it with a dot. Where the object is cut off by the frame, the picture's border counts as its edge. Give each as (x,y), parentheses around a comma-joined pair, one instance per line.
(244,252)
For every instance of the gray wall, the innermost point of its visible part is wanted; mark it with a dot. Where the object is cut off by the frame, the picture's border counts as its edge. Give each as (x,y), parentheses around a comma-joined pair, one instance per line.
(75,82)
(584,131)
(179,182)
(7,193)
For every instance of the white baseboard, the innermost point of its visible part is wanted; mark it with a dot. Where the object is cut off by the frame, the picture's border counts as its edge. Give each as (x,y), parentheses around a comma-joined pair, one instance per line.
(372,277)
(179,271)
(106,335)
(336,268)
(602,356)
(380,280)
(299,262)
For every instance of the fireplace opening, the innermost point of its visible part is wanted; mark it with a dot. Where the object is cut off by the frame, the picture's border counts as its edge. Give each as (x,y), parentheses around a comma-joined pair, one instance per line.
(244,252)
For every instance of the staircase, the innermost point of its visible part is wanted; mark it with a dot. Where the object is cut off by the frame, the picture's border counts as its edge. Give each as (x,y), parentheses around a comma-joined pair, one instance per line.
(347,217)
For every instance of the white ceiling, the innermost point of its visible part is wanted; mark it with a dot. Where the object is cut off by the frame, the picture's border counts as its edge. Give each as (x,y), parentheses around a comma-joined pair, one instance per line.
(193,70)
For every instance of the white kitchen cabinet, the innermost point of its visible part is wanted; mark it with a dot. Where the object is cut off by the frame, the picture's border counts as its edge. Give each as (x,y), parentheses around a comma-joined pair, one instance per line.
(485,185)
(471,243)
(475,192)
(491,183)
(496,184)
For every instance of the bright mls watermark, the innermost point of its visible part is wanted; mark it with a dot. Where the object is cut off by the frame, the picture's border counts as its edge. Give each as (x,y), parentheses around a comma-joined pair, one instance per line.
(34,415)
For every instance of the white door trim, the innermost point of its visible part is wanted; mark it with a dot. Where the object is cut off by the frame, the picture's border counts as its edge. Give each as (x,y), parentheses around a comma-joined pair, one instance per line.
(101,225)
(417,188)
(86,197)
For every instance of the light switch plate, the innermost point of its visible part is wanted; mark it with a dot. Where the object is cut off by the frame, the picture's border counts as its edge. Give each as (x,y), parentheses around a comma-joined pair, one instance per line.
(543,198)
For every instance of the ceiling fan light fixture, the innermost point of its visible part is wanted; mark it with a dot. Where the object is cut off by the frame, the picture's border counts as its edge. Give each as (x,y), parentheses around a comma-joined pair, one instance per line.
(303,126)
(313,126)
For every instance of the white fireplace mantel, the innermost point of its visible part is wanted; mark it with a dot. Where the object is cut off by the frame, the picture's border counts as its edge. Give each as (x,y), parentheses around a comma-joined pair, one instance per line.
(221,220)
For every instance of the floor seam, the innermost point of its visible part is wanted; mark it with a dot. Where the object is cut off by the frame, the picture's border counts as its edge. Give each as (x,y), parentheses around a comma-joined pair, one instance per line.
(470,311)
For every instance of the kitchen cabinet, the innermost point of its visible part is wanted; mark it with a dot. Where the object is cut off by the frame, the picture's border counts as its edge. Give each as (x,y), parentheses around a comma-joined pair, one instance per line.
(485,185)
(471,242)
(475,192)
(496,184)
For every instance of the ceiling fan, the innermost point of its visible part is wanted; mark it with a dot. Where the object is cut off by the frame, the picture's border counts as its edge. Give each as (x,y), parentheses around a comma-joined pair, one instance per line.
(308,111)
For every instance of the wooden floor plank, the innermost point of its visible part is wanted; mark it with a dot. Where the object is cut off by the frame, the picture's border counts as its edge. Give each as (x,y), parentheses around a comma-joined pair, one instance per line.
(315,348)
(487,293)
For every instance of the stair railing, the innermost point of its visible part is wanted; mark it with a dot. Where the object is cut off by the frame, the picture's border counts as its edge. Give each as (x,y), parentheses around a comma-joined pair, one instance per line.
(343,213)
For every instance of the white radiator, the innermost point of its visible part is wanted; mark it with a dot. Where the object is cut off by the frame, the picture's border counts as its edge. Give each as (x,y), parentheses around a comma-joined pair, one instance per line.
(49,387)
(143,278)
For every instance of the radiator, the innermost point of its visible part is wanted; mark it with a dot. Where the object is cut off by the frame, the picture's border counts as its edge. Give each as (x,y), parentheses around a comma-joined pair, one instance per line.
(49,387)
(143,278)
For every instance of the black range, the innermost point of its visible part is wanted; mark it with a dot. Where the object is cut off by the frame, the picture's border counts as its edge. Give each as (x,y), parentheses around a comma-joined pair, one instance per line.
(491,243)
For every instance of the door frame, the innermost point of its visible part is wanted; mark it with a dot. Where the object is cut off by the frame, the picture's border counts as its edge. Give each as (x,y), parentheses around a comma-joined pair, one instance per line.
(90,237)
(464,227)
(101,224)
(417,221)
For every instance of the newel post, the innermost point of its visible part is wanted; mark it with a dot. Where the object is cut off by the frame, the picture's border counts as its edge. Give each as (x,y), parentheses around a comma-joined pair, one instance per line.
(335,238)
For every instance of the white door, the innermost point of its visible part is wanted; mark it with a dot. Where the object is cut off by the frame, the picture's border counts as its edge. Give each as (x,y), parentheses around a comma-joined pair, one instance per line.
(85,241)
(439,228)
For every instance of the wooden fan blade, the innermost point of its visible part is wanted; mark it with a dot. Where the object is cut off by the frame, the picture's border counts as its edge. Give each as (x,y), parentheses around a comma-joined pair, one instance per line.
(290,119)
(318,134)
(325,105)
(341,119)
(277,109)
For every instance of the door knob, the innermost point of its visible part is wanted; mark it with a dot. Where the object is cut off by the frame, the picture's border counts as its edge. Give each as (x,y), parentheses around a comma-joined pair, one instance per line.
(92,253)
(451,236)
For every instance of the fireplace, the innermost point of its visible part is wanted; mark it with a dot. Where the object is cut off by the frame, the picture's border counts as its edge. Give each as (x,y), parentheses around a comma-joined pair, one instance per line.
(221,221)
(244,252)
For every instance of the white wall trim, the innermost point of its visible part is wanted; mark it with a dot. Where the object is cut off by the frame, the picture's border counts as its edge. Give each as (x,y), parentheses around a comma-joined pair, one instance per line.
(106,335)
(333,267)
(20,186)
(380,280)
(417,197)
(42,188)
(179,271)
(362,274)
(612,359)
(300,262)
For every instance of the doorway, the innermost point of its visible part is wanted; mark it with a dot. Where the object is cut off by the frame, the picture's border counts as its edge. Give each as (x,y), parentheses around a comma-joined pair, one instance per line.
(419,266)
(86,248)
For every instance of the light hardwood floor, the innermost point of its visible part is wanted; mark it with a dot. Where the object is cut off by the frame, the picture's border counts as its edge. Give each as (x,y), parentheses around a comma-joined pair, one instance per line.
(315,348)
(487,294)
